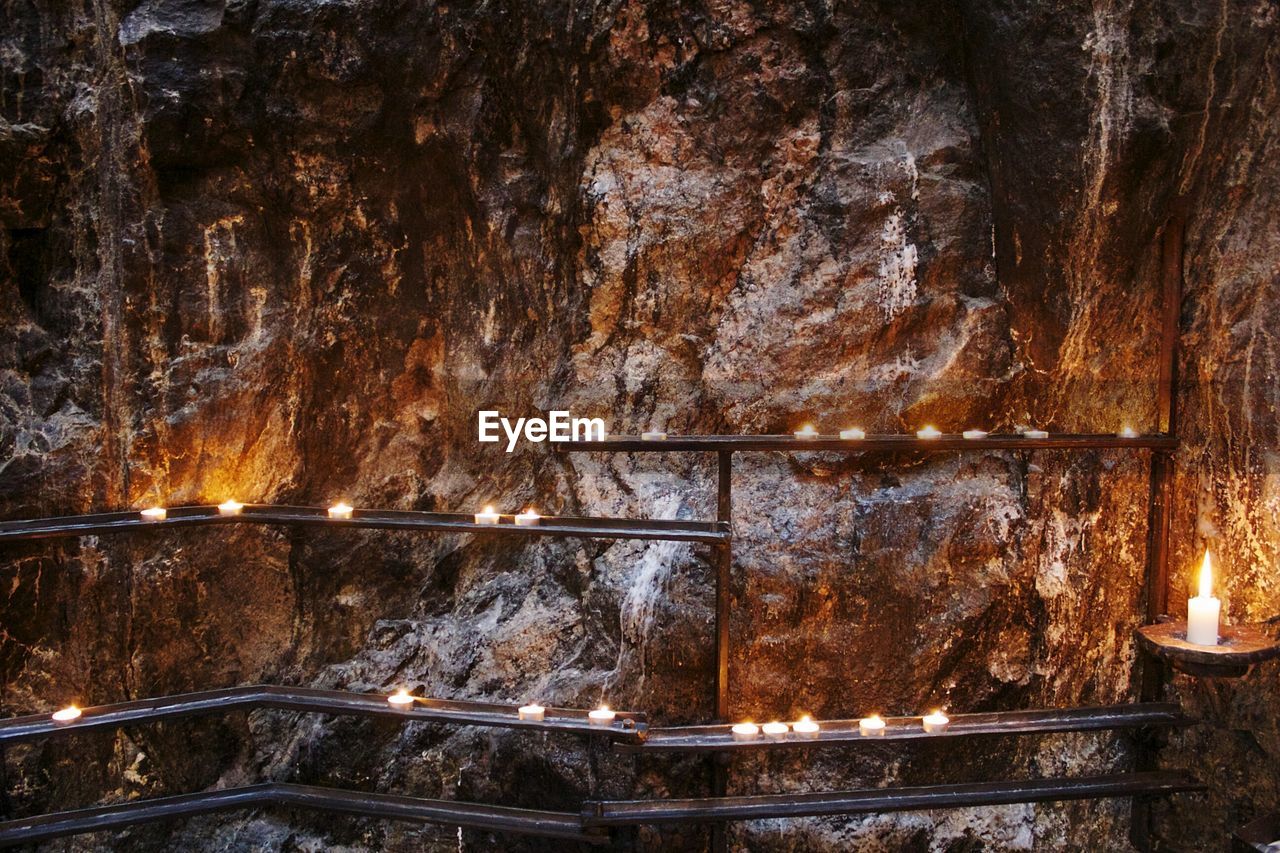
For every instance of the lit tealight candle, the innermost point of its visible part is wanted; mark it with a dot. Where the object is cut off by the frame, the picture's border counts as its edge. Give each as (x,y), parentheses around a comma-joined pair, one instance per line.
(853,434)
(534,713)
(936,723)
(928,432)
(68,714)
(401,700)
(601,716)
(340,510)
(746,731)
(775,730)
(154,513)
(973,434)
(653,436)
(806,728)
(806,432)
(872,726)
(1203,610)
(528,518)
(1128,432)
(1034,433)
(487,516)
(230,508)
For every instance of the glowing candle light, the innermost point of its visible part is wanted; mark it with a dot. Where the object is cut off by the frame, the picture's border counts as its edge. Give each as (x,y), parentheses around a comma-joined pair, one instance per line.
(928,432)
(68,714)
(1034,433)
(852,434)
(401,700)
(528,518)
(601,716)
(806,432)
(340,510)
(775,730)
(653,436)
(1128,432)
(936,723)
(973,434)
(154,513)
(746,731)
(230,508)
(872,726)
(487,516)
(806,728)
(533,712)
(1203,610)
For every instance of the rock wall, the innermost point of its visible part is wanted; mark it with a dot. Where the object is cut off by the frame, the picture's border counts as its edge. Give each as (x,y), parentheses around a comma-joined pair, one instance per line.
(284,250)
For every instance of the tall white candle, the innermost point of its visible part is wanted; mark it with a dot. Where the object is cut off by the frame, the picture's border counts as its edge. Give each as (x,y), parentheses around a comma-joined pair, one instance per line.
(1203,610)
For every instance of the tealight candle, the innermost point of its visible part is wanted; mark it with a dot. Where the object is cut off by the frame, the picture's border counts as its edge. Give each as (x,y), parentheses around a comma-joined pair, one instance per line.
(401,700)
(653,436)
(852,434)
(745,731)
(230,508)
(872,726)
(974,434)
(806,432)
(1128,432)
(601,716)
(68,714)
(928,432)
(533,713)
(1034,433)
(340,510)
(936,723)
(487,516)
(154,513)
(1203,610)
(775,730)
(528,518)
(806,728)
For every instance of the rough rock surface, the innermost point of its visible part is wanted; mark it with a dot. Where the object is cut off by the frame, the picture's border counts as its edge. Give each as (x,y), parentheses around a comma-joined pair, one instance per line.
(284,249)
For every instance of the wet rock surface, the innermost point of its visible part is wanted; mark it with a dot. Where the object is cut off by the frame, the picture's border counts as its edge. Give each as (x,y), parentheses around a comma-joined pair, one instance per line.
(283,251)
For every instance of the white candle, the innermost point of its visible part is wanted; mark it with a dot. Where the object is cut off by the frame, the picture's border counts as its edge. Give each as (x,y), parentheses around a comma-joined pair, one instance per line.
(528,518)
(400,700)
(601,716)
(155,513)
(852,434)
(1128,432)
(340,510)
(487,516)
(972,434)
(1203,610)
(534,713)
(230,508)
(936,723)
(1034,433)
(806,432)
(806,728)
(68,714)
(746,731)
(872,726)
(653,436)
(775,730)
(928,432)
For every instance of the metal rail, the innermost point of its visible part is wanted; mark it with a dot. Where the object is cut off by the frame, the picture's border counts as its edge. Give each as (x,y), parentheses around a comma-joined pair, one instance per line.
(627,726)
(330,800)
(870,444)
(845,732)
(880,800)
(437,522)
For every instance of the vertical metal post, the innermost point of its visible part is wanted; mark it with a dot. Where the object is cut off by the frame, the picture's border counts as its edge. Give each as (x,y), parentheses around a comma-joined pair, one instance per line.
(724,568)
(1159,507)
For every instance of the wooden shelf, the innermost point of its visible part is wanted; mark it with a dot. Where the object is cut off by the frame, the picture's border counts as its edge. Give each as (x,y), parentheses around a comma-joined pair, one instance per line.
(428,522)
(871,444)
(329,800)
(1238,649)
(627,725)
(719,738)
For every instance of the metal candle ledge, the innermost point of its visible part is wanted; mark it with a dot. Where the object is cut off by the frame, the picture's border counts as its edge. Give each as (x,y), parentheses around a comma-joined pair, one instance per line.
(429,522)
(872,443)
(627,726)
(845,732)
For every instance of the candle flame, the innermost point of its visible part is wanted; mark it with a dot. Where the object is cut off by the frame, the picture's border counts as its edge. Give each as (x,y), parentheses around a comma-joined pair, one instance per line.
(603,708)
(1206,576)
(806,719)
(488,509)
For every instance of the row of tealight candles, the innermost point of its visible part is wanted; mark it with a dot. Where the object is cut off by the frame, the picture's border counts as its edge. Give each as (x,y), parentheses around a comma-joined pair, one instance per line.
(603,716)
(931,432)
(343,511)
(934,723)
